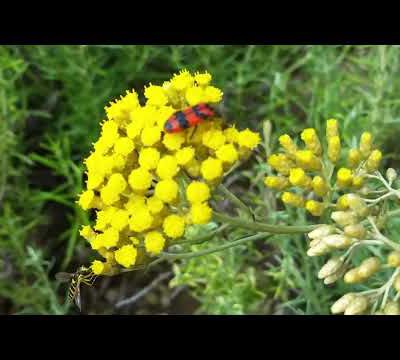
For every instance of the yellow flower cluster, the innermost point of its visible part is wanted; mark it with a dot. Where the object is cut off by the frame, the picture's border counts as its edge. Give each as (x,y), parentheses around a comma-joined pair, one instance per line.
(147,185)
(310,171)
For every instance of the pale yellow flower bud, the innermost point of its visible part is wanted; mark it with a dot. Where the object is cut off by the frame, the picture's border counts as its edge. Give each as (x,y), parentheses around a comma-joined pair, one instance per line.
(334,148)
(342,203)
(344,218)
(314,242)
(357,205)
(374,161)
(321,231)
(352,276)
(315,208)
(319,186)
(344,177)
(307,160)
(331,267)
(354,158)
(358,181)
(369,267)
(338,241)
(340,305)
(391,174)
(281,163)
(393,259)
(310,138)
(292,199)
(356,231)
(365,144)
(298,177)
(276,182)
(357,306)
(333,278)
(288,144)
(332,128)
(320,248)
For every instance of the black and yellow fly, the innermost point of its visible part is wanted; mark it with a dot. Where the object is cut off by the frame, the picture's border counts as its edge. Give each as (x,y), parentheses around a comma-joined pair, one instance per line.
(83,275)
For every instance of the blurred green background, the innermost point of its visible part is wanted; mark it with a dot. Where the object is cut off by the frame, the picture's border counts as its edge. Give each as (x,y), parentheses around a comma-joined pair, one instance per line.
(52,99)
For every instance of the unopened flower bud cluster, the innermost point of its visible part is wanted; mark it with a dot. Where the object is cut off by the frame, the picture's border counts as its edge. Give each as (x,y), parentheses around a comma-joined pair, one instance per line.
(312,174)
(339,186)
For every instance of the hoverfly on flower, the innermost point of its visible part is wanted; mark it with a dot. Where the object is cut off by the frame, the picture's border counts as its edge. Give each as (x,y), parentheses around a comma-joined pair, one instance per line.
(82,275)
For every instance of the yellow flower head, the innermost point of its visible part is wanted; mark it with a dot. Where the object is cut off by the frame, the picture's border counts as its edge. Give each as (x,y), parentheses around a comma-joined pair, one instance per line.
(156,205)
(87,232)
(174,141)
(151,135)
(98,267)
(167,190)
(197,192)
(248,139)
(211,169)
(155,95)
(138,175)
(86,199)
(148,158)
(167,167)
(185,155)
(227,153)
(174,226)
(117,183)
(126,256)
(120,219)
(154,242)
(140,179)
(202,79)
(124,146)
(214,139)
(200,213)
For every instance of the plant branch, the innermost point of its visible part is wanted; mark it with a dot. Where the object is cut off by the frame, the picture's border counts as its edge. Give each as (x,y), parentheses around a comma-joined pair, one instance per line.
(260,227)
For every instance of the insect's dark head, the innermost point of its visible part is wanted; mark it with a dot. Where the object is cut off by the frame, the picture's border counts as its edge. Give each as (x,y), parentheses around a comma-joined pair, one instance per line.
(168,127)
(172,125)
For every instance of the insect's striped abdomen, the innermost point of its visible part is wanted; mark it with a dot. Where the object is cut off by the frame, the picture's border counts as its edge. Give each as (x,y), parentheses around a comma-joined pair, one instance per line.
(72,289)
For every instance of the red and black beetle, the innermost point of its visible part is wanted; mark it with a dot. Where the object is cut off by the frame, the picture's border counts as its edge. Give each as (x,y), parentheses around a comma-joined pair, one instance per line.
(188,117)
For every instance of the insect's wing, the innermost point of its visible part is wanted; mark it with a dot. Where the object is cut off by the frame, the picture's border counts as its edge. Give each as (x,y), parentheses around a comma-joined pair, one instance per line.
(78,298)
(63,276)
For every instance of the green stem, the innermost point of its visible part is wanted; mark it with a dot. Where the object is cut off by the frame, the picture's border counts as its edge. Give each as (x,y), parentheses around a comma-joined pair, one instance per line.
(388,286)
(215,249)
(234,199)
(260,227)
(203,238)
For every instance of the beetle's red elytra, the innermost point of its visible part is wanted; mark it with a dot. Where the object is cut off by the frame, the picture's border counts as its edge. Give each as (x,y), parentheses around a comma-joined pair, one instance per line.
(188,117)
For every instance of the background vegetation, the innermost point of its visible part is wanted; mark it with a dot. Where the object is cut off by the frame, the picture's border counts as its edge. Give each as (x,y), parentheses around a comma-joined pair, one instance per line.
(51,102)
